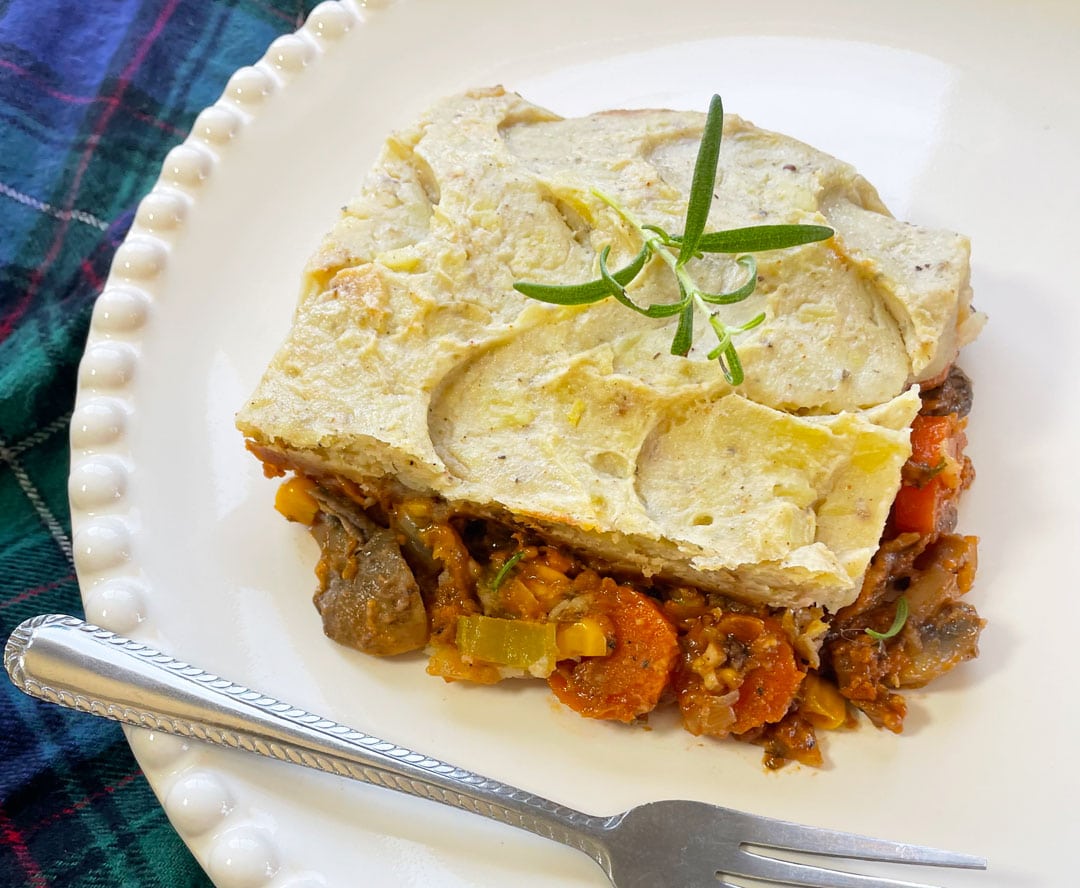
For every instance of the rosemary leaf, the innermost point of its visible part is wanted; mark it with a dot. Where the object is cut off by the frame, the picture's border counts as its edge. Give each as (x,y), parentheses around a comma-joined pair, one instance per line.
(739,294)
(701,188)
(730,364)
(665,309)
(897,623)
(757,238)
(583,294)
(613,286)
(753,322)
(666,239)
(658,310)
(684,333)
(507,566)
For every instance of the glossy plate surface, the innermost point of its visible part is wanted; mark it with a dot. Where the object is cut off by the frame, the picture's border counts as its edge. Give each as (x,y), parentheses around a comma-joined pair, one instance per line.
(961,114)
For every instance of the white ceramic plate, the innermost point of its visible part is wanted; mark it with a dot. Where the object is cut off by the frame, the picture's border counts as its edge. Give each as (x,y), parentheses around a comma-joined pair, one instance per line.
(964,114)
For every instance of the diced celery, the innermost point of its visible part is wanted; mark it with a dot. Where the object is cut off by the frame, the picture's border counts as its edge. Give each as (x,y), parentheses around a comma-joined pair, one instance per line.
(521,644)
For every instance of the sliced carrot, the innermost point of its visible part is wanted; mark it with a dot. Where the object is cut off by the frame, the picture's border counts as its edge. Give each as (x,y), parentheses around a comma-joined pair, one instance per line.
(916,508)
(930,437)
(937,448)
(752,686)
(767,692)
(628,682)
(770,686)
(933,476)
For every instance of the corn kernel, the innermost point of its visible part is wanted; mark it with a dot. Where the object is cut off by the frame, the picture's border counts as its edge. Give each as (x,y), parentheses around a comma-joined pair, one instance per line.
(295,502)
(584,638)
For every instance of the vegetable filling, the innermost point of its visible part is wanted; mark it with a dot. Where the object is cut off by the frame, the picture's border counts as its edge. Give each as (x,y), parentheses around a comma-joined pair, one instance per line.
(489,600)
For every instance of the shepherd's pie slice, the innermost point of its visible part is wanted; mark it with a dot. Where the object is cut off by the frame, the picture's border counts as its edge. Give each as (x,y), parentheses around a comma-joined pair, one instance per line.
(414,370)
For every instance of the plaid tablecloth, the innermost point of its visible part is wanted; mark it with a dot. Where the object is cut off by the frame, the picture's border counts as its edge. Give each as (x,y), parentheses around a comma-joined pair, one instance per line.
(92,95)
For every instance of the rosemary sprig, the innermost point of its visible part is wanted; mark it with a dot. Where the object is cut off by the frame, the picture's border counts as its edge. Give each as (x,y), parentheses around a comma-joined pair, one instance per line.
(677,250)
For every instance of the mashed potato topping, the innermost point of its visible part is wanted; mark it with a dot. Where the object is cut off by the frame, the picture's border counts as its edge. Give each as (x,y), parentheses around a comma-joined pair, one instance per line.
(411,356)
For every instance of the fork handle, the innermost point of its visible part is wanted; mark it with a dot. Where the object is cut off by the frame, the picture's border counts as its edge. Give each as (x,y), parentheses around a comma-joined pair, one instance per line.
(63,660)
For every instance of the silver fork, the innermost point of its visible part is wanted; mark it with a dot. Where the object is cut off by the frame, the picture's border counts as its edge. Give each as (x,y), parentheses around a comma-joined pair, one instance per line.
(65,661)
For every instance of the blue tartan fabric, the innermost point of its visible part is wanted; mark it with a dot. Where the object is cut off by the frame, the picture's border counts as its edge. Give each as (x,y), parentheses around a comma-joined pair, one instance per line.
(92,96)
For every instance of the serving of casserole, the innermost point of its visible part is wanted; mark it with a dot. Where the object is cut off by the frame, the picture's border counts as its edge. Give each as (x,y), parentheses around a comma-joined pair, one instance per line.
(553,491)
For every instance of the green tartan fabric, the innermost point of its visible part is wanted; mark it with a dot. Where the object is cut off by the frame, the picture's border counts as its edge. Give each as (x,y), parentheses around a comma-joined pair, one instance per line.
(92,96)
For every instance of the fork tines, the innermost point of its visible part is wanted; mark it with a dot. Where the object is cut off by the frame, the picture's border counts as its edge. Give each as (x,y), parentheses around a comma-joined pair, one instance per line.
(764,834)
